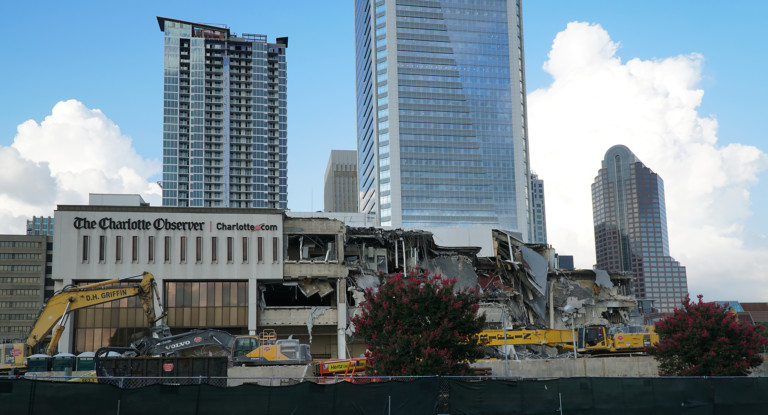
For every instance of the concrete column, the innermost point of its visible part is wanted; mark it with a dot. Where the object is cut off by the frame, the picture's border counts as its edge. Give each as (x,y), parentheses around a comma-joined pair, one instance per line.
(253,306)
(341,310)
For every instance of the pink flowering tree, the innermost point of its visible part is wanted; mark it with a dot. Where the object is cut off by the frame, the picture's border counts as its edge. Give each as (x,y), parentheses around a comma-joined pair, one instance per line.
(704,339)
(419,325)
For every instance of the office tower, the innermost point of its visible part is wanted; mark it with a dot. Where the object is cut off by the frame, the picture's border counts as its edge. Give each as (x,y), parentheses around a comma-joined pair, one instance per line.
(441,130)
(340,193)
(539,217)
(40,225)
(224,124)
(631,228)
(25,281)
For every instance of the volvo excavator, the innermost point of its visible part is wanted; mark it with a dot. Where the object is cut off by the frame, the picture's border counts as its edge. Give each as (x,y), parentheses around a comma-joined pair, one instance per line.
(264,349)
(59,307)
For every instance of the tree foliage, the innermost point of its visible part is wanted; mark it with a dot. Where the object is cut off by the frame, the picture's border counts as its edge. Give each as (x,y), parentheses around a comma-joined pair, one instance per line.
(703,339)
(420,325)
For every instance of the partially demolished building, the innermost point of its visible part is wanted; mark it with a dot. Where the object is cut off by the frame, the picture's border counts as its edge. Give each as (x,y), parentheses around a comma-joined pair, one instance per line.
(519,283)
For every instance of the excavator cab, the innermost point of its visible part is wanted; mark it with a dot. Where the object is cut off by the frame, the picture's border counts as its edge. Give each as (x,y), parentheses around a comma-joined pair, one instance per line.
(591,337)
(244,345)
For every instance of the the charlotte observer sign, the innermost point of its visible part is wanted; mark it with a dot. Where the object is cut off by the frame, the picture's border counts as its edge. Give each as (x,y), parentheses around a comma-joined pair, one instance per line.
(160,224)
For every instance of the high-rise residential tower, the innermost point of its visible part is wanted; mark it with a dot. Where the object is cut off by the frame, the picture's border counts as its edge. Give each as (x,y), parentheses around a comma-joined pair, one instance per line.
(40,225)
(539,211)
(631,228)
(225,116)
(441,113)
(340,194)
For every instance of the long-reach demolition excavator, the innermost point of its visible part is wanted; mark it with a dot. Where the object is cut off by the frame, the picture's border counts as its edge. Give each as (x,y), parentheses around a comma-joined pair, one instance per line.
(593,339)
(60,306)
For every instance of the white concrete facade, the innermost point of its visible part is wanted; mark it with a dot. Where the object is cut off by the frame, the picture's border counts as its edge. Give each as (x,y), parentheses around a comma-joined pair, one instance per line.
(104,242)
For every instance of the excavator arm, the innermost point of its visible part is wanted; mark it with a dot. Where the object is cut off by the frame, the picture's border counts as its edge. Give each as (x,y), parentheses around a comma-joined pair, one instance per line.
(63,303)
(549,337)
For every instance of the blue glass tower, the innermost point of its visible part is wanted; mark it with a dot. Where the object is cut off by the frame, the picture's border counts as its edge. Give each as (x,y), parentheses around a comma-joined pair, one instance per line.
(441,113)
(225,118)
(631,228)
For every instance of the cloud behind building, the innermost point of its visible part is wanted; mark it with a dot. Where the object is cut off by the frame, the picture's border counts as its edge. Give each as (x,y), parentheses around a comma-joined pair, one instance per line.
(596,101)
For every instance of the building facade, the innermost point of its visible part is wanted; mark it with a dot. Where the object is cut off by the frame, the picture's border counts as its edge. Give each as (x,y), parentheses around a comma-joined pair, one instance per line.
(441,113)
(631,228)
(40,225)
(539,218)
(239,270)
(25,281)
(225,118)
(340,193)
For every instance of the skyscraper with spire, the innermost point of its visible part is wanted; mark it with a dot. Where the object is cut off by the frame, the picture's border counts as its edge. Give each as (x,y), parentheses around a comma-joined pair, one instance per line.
(631,228)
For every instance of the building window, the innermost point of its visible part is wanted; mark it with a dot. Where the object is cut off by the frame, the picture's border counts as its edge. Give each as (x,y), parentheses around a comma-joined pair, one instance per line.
(213,248)
(245,249)
(151,249)
(261,249)
(86,248)
(118,249)
(102,248)
(183,249)
(199,249)
(167,253)
(134,249)
(192,304)
(274,249)
(230,248)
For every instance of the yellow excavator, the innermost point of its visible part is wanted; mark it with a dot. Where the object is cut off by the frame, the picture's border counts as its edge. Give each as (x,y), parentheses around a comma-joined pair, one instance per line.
(60,306)
(593,339)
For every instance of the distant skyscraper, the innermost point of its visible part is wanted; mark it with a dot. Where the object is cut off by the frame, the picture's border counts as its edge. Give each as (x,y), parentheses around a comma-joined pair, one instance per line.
(40,225)
(631,228)
(340,193)
(224,125)
(539,218)
(441,113)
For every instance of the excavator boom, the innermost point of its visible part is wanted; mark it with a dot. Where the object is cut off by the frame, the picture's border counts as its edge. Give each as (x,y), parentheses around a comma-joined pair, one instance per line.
(61,304)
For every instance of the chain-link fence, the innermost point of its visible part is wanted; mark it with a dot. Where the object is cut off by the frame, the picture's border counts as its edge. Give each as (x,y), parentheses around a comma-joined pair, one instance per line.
(382,395)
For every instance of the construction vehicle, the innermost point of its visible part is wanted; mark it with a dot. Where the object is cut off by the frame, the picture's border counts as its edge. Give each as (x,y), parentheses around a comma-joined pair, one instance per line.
(593,339)
(61,305)
(342,370)
(343,367)
(264,349)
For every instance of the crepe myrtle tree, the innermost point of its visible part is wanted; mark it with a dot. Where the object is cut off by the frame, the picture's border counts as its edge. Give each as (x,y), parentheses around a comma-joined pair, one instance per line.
(704,339)
(420,325)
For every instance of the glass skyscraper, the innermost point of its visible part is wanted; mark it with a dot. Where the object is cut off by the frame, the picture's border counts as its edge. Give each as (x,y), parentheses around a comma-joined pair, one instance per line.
(631,228)
(441,114)
(225,116)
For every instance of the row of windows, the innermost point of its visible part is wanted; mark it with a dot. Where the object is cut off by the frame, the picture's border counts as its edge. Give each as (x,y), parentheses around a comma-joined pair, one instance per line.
(182,249)
(221,304)
(18,255)
(19,292)
(19,304)
(14,329)
(19,280)
(19,244)
(25,316)
(20,268)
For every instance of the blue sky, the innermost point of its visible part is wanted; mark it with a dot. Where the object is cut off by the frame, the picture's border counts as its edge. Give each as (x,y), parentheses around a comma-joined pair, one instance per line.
(109,56)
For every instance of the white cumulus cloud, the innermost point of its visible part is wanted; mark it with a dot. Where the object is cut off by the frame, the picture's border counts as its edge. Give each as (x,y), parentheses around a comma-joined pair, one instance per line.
(596,101)
(74,151)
